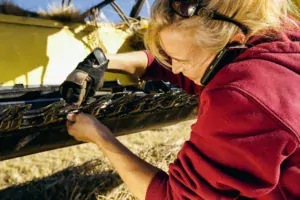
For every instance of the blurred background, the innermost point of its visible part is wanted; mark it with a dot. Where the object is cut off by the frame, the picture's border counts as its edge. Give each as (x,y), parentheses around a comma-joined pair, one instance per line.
(83,5)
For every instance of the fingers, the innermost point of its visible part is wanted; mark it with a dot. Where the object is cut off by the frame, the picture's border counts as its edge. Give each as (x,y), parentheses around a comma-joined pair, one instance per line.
(73,93)
(75,126)
(69,124)
(73,89)
(71,117)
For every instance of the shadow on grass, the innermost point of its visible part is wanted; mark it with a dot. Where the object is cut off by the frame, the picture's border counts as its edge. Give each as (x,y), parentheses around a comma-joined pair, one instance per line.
(83,182)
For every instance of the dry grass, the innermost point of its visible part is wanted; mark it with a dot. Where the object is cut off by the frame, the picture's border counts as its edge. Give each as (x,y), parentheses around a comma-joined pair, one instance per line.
(9,8)
(54,12)
(66,14)
(81,172)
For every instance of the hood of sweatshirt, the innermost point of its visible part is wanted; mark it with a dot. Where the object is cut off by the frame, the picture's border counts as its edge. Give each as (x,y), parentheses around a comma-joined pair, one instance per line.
(269,74)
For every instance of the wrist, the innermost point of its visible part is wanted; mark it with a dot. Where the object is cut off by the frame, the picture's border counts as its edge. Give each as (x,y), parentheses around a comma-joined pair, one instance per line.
(104,138)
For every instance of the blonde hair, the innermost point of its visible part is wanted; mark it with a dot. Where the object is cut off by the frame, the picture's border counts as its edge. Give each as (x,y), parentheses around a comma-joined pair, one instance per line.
(260,16)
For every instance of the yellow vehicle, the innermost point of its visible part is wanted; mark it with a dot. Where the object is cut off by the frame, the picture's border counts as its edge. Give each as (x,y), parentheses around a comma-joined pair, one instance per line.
(38,51)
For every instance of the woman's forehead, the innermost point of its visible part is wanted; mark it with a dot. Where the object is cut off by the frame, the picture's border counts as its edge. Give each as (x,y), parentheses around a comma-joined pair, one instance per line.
(174,42)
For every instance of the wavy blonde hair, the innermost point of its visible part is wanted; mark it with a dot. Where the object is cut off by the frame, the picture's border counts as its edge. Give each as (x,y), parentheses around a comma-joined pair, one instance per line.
(258,15)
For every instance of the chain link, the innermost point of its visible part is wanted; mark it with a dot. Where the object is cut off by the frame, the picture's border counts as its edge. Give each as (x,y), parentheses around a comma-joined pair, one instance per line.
(111,105)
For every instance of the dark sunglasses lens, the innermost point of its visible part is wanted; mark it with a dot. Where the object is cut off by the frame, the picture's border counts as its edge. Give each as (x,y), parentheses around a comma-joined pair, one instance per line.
(184,8)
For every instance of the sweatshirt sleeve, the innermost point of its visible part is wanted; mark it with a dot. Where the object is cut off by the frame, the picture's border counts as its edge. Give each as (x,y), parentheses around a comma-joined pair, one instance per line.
(235,150)
(155,71)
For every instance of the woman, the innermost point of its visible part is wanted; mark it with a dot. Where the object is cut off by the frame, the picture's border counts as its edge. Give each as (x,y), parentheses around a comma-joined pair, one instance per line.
(245,143)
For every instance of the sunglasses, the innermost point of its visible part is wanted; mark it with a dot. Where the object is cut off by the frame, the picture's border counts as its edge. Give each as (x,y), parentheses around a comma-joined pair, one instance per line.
(189,8)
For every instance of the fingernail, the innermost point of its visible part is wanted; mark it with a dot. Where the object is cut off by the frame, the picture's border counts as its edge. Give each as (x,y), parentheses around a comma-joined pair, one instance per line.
(70,117)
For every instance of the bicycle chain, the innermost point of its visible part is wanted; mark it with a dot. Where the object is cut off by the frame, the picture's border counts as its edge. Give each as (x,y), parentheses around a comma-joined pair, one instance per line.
(15,117)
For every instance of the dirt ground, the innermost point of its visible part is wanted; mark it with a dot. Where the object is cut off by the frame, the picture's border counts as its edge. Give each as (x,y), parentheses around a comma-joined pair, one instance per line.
(81,172)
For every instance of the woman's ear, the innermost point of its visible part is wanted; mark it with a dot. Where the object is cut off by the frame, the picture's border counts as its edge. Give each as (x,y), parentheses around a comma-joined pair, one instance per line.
(238,38)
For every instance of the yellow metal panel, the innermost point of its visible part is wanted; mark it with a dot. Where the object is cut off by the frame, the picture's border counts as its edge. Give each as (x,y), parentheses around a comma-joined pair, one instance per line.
(11,19)
(44,52)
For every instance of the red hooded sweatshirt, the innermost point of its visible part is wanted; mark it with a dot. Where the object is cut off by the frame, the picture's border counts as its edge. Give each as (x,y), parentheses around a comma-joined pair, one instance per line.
(245,143)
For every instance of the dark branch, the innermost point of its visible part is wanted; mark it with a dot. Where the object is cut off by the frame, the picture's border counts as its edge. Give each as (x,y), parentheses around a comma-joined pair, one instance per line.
(97,7)
(120,12)
(63,3)
(70,2)
(137,8)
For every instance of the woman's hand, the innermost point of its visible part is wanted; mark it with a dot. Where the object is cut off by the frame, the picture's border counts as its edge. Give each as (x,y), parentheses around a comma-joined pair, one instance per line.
(86,128)
(136,173)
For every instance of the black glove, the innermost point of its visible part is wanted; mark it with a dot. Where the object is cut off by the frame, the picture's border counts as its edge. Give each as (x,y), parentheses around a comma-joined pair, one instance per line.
(86,79)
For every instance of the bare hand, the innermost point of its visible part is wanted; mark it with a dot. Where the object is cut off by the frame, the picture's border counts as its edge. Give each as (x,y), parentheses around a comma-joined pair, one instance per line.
(86,128)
